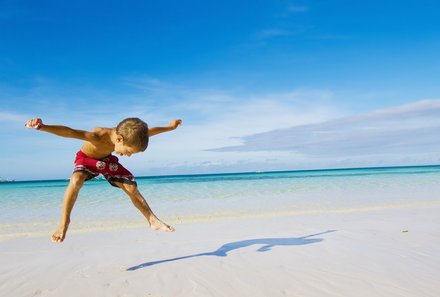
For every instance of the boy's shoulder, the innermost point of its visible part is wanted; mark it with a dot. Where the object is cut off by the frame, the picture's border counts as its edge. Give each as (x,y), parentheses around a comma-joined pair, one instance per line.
(102,134)
(102,131)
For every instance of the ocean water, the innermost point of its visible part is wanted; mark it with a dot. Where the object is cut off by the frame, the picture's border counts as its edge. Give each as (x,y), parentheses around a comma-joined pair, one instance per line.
(33,208)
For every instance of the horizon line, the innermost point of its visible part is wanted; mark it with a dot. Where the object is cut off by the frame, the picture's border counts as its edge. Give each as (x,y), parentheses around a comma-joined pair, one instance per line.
(230,173)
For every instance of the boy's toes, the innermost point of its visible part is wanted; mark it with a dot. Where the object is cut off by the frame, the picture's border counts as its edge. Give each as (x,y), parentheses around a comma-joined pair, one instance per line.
(57,237)
(157,224)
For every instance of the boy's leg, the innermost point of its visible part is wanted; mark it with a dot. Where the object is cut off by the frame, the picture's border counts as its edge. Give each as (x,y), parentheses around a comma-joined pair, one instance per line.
(75,184)
(141,204)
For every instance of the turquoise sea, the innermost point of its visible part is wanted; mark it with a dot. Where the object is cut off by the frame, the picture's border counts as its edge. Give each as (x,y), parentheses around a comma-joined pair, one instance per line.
(33,208)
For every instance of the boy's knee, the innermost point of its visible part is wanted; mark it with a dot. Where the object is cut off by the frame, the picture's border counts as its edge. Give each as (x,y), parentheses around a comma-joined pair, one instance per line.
(132,189)
(77,179)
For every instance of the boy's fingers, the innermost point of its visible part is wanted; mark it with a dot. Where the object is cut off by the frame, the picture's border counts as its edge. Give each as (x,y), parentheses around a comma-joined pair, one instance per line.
(35,124)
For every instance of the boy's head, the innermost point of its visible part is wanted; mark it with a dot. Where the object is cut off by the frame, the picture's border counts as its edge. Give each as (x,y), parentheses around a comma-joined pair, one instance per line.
(133,133)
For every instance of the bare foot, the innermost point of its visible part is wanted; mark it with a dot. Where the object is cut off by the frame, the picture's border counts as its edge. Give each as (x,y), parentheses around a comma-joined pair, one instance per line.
(157,224)
(59,235)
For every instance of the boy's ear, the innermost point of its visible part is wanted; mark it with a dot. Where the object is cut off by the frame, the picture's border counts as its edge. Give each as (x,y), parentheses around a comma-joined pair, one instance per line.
(119,138)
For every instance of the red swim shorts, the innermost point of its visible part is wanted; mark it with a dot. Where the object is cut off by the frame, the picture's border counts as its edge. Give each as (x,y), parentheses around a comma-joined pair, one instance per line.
(109,167)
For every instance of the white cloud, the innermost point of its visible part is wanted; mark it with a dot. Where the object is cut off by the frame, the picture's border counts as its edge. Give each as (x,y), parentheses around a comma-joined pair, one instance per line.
(274,32)
(296,9)
(9,117)
(400,131)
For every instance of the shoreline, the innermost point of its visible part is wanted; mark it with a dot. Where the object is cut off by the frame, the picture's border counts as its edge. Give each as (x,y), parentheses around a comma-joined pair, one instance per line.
(80,227)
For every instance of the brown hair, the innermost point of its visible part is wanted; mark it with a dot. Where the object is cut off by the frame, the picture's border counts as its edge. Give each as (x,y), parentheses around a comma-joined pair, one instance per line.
(135,132)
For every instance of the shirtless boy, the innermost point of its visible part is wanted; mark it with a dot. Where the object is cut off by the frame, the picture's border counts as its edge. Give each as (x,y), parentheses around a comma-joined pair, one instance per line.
(95,157)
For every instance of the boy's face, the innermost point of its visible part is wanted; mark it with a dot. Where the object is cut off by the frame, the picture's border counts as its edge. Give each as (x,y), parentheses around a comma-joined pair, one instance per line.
(125,150)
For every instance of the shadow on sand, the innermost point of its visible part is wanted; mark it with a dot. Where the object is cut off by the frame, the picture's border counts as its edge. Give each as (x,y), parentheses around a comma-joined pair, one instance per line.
(267,244)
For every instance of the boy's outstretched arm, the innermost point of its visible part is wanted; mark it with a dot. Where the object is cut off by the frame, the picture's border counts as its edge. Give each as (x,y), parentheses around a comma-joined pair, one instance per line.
(62,131)
(171,126)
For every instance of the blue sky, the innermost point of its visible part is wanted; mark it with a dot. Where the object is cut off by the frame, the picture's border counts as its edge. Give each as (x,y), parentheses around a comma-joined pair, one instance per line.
(231,70)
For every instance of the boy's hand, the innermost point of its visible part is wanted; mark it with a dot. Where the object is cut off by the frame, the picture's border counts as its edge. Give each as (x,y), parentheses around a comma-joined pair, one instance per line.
(34,124)
(175,123)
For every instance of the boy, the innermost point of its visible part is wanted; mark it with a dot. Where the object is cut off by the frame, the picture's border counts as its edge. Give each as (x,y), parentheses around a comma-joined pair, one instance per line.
(95,157)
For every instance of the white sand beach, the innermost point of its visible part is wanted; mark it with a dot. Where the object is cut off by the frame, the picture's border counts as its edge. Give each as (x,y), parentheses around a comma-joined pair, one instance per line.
(389,252)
